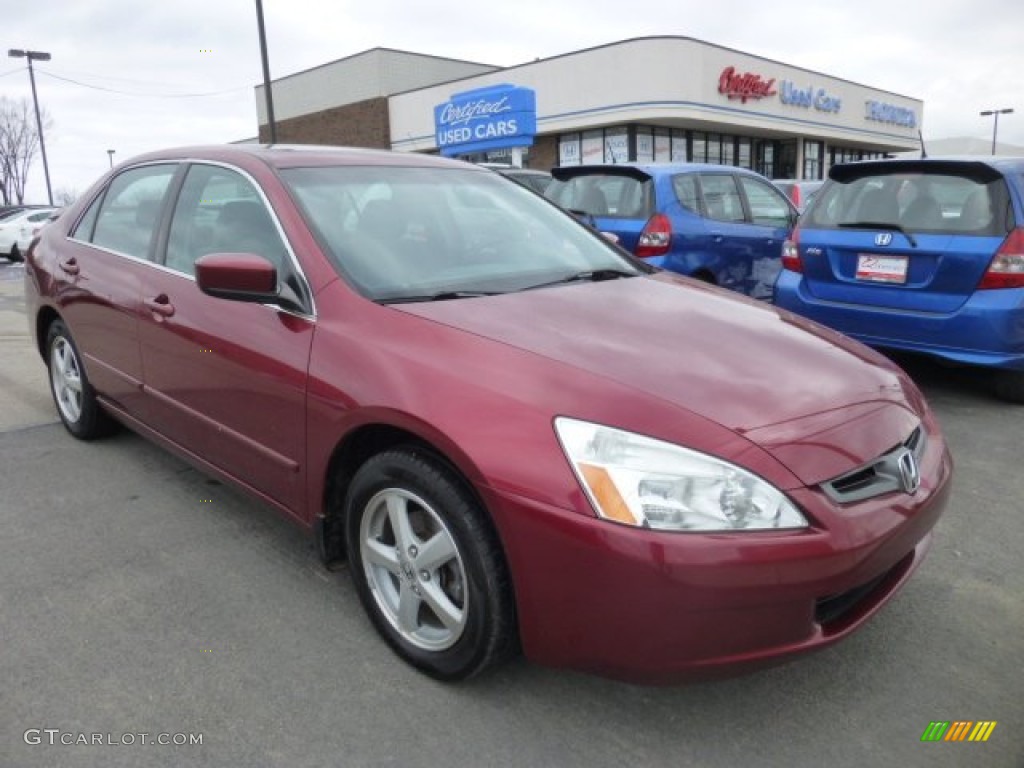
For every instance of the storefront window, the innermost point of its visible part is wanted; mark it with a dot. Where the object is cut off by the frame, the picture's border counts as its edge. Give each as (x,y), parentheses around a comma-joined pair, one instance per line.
(569,149)
(700,147)
(616,145)
(729,150)
(644,145)
(714,148)
(679,146)
(744,156)
(592,147)
(813,153)
(662,145)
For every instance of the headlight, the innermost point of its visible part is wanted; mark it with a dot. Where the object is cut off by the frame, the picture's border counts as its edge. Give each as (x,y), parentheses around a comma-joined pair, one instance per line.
(648,483)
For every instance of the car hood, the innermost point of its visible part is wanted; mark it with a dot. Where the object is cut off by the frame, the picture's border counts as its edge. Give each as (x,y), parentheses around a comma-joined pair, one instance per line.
(818,401)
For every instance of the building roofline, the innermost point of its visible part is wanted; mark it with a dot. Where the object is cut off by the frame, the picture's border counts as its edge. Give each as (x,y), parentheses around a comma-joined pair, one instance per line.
(382,49)
(644,38)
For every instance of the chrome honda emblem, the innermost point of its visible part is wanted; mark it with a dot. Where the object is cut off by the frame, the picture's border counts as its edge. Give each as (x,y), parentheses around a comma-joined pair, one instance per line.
(883,238)
(910,475)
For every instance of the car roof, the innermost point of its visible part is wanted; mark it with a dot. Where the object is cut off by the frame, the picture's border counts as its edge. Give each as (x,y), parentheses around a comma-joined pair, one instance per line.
(980,164)
(651,170)
(302,156)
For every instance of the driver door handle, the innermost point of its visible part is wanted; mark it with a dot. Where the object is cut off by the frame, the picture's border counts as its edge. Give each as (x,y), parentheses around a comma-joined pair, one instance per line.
(161,305)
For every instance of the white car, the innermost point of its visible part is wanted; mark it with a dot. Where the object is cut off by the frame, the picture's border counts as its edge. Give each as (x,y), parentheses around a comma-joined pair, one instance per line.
(17,231)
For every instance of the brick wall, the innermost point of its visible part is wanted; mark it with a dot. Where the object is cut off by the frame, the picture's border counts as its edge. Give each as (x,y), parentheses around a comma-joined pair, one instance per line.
(544,153)
(363,124)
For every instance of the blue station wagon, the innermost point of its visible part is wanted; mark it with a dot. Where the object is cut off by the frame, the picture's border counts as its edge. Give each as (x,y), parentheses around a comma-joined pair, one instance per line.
(919,255)
(718,223)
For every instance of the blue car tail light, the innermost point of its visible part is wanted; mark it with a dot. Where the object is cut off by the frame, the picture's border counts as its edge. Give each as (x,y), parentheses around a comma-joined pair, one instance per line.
(1007,267)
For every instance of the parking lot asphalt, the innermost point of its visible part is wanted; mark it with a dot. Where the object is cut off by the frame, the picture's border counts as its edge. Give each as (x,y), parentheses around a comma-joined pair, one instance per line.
(142,597)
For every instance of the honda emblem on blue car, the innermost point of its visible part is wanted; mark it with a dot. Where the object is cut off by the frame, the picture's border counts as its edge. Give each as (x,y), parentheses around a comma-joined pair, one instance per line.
(883,238)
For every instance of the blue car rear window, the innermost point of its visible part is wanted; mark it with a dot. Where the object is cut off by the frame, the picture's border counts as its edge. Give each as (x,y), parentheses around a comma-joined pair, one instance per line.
(610,196)
(916,201)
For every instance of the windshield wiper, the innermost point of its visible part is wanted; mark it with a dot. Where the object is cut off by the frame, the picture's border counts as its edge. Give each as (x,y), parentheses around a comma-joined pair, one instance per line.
(439,296)
(887,225)
(587,276)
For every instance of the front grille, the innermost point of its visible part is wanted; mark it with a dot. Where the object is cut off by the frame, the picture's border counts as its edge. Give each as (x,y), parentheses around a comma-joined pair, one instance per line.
(879,476)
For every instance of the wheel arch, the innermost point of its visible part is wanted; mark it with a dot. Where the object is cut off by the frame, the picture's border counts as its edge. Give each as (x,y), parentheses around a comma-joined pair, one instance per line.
(353,450)
(44,319)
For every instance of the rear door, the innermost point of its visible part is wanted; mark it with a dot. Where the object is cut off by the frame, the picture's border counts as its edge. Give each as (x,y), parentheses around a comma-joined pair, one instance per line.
(910,235)
(620,199)
(100,269)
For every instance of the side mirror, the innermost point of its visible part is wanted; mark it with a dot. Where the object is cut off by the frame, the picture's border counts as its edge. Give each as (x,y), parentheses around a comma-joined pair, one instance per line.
(237,277)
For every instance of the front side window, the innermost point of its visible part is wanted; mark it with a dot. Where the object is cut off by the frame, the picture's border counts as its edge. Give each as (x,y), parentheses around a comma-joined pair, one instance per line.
(768,206)
(722,200)
(128,217)
(220,211)
(401,234)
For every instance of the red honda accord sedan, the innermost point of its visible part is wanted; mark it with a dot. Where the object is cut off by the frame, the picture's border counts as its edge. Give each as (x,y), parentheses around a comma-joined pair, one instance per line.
(517,436)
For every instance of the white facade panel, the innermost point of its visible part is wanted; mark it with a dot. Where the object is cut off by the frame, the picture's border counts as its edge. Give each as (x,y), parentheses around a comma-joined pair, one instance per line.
(675,81)
(372,74)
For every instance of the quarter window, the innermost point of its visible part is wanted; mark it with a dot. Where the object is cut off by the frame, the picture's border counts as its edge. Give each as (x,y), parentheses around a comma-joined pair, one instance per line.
(130,212)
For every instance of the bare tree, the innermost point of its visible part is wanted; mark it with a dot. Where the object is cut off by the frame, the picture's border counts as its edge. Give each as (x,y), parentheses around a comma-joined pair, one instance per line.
(64,196)
(19,143)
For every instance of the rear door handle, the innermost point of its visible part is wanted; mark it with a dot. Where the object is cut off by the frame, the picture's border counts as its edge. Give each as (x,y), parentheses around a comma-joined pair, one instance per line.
(161,305)
(70,266)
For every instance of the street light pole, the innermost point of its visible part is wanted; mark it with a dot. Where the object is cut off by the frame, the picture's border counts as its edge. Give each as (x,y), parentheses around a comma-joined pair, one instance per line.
(110,155)
(16,53)
(266,72)
(995,124)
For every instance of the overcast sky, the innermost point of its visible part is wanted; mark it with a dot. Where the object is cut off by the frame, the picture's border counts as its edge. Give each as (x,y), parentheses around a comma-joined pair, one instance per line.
(138,66)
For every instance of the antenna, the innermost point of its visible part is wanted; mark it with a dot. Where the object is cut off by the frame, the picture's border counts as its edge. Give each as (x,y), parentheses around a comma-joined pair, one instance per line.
(920,137)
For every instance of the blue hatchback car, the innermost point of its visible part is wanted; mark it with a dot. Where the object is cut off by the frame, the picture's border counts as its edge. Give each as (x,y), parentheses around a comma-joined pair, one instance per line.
(718,223)
(919,255)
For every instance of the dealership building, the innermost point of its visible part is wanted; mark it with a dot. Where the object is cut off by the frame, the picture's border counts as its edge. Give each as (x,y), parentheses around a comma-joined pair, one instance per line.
(651,99)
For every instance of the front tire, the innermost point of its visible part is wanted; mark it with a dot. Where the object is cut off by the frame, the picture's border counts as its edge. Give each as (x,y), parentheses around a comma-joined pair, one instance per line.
(15,255)
(427,565)
(72,394)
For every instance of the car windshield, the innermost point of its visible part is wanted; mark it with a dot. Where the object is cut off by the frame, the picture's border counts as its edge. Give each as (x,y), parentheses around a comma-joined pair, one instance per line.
(403,233)
(941,203)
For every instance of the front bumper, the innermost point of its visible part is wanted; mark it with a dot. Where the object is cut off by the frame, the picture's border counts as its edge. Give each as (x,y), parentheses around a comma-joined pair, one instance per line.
(660,608)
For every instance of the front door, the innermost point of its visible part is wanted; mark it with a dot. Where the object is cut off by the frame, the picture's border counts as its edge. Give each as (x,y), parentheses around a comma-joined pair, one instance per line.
(227,379)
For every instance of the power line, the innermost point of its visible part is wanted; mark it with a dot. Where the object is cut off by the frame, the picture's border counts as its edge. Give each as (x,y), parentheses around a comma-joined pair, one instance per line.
(144,95)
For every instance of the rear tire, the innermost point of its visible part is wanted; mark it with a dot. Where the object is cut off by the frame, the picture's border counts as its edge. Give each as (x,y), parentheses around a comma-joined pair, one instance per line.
(427,565)
(1009,386)
(72,394)
(15,254)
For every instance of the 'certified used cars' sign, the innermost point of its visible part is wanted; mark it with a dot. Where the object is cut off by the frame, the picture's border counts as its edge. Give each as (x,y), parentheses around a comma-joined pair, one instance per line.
(496,117)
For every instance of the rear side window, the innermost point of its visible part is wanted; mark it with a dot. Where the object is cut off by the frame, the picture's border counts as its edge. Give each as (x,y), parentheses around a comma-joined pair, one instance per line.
(605,196)
(940,203)
(129,213)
